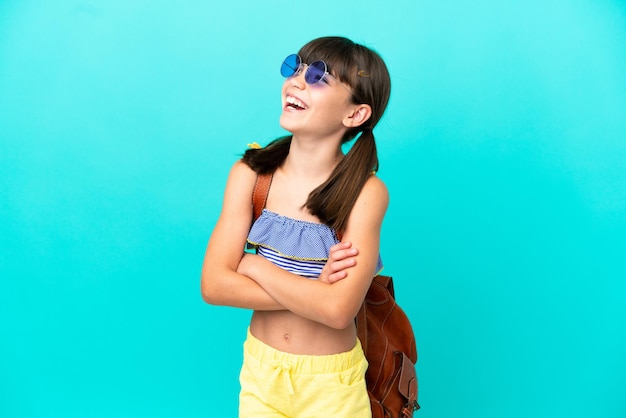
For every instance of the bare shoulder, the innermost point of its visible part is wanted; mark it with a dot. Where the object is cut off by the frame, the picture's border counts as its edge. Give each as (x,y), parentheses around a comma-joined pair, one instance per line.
(241,177)
(241,171)
(370,207)
(376,186)
(374,194)
(238,194)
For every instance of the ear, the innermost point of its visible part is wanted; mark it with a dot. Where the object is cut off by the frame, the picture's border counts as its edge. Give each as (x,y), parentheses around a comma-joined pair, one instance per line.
(359,115)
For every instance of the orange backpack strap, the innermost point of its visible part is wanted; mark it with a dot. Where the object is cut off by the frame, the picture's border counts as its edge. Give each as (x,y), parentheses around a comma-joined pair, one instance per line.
(259,195)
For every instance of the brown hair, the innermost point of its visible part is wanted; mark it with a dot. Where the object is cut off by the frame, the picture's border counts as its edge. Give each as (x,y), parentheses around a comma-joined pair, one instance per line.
(366,73)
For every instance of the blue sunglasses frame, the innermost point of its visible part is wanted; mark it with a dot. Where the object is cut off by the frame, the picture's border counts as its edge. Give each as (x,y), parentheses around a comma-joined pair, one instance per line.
(315,71)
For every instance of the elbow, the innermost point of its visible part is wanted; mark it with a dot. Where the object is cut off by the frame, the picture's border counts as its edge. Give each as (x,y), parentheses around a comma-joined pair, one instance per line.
(341,323)
(208,289)
(340,318)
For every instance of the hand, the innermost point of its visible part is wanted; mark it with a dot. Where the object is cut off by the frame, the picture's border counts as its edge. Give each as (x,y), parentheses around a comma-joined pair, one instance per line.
(340,259)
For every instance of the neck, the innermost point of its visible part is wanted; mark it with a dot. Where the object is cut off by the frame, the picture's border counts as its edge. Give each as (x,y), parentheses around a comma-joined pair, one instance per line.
(313,158)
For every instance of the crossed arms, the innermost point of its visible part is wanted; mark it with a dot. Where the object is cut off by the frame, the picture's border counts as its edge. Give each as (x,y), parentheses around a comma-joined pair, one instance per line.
(234,278)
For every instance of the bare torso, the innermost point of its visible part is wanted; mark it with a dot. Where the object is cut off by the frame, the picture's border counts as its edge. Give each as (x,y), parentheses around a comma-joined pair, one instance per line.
(288,332)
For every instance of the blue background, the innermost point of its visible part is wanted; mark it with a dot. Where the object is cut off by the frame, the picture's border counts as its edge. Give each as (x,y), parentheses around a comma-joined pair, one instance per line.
(504,149)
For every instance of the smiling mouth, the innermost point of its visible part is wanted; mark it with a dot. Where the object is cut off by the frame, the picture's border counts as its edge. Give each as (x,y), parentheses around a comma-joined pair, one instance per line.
(294,103)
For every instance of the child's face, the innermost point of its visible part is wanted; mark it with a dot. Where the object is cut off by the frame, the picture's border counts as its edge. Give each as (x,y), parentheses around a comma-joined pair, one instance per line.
(315,109)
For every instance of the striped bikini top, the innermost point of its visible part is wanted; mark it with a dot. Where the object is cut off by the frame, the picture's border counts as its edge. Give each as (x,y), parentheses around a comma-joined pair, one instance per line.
(300,247)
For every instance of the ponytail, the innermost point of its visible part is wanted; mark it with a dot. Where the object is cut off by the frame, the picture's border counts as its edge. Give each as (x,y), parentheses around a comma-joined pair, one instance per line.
(267,160)
(334,199)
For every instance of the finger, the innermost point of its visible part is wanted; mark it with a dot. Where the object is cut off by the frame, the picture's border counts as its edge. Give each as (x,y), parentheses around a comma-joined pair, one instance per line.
(341,265)
(340,246)
(335,277)
(343,254)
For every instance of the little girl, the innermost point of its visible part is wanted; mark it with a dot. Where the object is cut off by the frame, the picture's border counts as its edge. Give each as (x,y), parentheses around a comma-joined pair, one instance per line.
(317,239)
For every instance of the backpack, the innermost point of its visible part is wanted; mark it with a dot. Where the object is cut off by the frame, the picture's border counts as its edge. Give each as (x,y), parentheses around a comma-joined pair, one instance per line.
(386,335)
(389,346)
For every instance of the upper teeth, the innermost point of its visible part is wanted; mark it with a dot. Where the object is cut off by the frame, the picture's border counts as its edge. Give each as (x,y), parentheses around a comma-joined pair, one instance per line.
(292,100)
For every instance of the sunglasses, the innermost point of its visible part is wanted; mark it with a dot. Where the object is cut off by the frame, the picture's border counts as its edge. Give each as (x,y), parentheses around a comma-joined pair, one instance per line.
(315,72)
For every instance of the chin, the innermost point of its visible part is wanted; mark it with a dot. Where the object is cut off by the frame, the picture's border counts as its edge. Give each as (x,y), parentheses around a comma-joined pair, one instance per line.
(285,124)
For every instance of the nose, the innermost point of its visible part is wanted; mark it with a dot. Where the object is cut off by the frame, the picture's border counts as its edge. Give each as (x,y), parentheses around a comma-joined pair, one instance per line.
(297,80)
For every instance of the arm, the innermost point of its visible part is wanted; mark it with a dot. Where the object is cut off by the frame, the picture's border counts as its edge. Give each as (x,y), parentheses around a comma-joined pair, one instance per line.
(334,305)
(221,284)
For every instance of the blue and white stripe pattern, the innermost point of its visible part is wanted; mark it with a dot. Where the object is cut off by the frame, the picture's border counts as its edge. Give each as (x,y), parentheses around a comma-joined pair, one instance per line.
(306,268)
(297,246)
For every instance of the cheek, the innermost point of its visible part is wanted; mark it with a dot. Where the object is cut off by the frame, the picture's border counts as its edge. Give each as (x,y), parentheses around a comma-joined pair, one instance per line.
(330,99)
(339,107)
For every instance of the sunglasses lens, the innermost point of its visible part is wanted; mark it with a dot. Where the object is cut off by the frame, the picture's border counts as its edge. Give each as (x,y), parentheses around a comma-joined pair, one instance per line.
(290,65)
(315,72)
